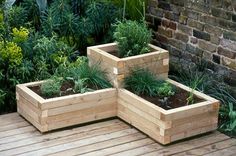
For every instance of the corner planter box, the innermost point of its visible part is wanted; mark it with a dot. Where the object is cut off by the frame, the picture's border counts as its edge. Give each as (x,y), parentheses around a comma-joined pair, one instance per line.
(166,126)
(157,61)
(59,112)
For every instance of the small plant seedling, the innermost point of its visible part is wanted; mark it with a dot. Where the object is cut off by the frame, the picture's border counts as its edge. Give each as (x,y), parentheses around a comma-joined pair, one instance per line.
(165,90)
(51,87)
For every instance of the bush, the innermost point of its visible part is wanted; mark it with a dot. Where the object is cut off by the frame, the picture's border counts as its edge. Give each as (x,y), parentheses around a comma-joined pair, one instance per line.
(132,38)
(51,87)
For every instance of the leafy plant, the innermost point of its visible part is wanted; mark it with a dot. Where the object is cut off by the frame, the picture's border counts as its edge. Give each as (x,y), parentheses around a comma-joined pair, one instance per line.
(94,76)
(132,38)
(142,81)
(230,124)
(51,87)
(165,90)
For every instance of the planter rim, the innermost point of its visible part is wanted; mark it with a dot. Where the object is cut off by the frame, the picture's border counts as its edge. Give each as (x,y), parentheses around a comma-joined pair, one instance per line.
(157,50)
(207,99)
(26,86)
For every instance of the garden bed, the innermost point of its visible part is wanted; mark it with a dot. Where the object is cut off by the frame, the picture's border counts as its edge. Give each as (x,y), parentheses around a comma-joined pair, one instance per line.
(166,126)
(59,112)
(157,61)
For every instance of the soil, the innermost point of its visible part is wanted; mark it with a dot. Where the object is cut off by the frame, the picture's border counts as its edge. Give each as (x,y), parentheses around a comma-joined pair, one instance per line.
(175,101)
(66,89)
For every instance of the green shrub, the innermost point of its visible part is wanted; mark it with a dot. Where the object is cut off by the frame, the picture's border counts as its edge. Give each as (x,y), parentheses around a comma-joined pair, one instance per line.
(51,87)
(165,90)
(94,76)
(142,81)
(132,38)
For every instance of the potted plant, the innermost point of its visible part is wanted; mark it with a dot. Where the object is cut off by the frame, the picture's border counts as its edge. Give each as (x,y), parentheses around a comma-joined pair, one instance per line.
(132,48)
(165,110)
(73,95)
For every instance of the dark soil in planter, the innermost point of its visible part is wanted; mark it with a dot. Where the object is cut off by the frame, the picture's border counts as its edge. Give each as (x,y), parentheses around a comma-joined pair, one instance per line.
(175,101)
(66,89)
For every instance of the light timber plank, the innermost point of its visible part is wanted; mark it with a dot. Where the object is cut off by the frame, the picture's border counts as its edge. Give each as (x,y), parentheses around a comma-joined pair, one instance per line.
(231,151)
(81,142)
(14,126)
(56,135)
(120,148)
(210,148)
(190,144)
(16,131)
(101,145)
(63,140)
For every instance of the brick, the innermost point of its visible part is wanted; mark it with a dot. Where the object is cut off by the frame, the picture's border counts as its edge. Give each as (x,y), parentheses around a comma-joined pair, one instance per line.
(169,24)
(185,29)
(178,2)
(195,24)
(226,24)
(164,5)
(228,44)
(207,46)
(177,44)
(191,14)
(183,19)
(157,22)
(229,35)
(229,63)
(216,58)
(208,19)
(194,40)
(175,52)
(216,3)
(227,4)
(152,3)
(171,16)
(161,38)
(165,32)
(234,17)
(207,55)
(201,7)
(194,50)
(201,35)
(226,52)
(213,30)
(182,37)
(221,13)
(176,9)
(214,39)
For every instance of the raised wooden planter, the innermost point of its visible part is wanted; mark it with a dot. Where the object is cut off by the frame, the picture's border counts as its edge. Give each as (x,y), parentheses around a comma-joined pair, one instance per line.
(54,113)
(157,61)
(166,126)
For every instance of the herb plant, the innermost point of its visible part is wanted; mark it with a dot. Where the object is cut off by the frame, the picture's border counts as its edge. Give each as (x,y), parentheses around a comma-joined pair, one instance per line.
(132,38)
(165,90)
(51,87)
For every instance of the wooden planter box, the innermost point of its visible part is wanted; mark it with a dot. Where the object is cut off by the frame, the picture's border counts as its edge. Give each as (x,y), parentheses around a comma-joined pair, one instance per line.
(157,61)
(166,126)
(54,113)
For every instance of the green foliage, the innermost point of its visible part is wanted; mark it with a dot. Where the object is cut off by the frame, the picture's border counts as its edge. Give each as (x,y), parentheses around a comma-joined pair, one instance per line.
(51,87)
(11,52)
(142,81)
(230,124)
(132,38)
(201,79)
(20,35)
(16,16)
(165,90)
(94,76)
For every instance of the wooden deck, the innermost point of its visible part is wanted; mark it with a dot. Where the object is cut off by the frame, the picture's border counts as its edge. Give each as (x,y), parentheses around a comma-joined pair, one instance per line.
(112,137)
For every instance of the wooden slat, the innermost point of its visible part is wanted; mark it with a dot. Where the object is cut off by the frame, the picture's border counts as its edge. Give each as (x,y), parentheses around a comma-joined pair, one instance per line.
(231,151)
(101,145)
(14,126)
(57,135)
(190,144)
(112,133)
(120,148)
(210,148)
(16,131)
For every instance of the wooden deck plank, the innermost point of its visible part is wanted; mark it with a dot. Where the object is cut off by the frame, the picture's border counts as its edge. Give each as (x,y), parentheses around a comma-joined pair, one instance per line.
(120,148)
(210,148)
(231,151)
(190,144)
(110,134)
(112,137)
(102,145)
(26,147)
